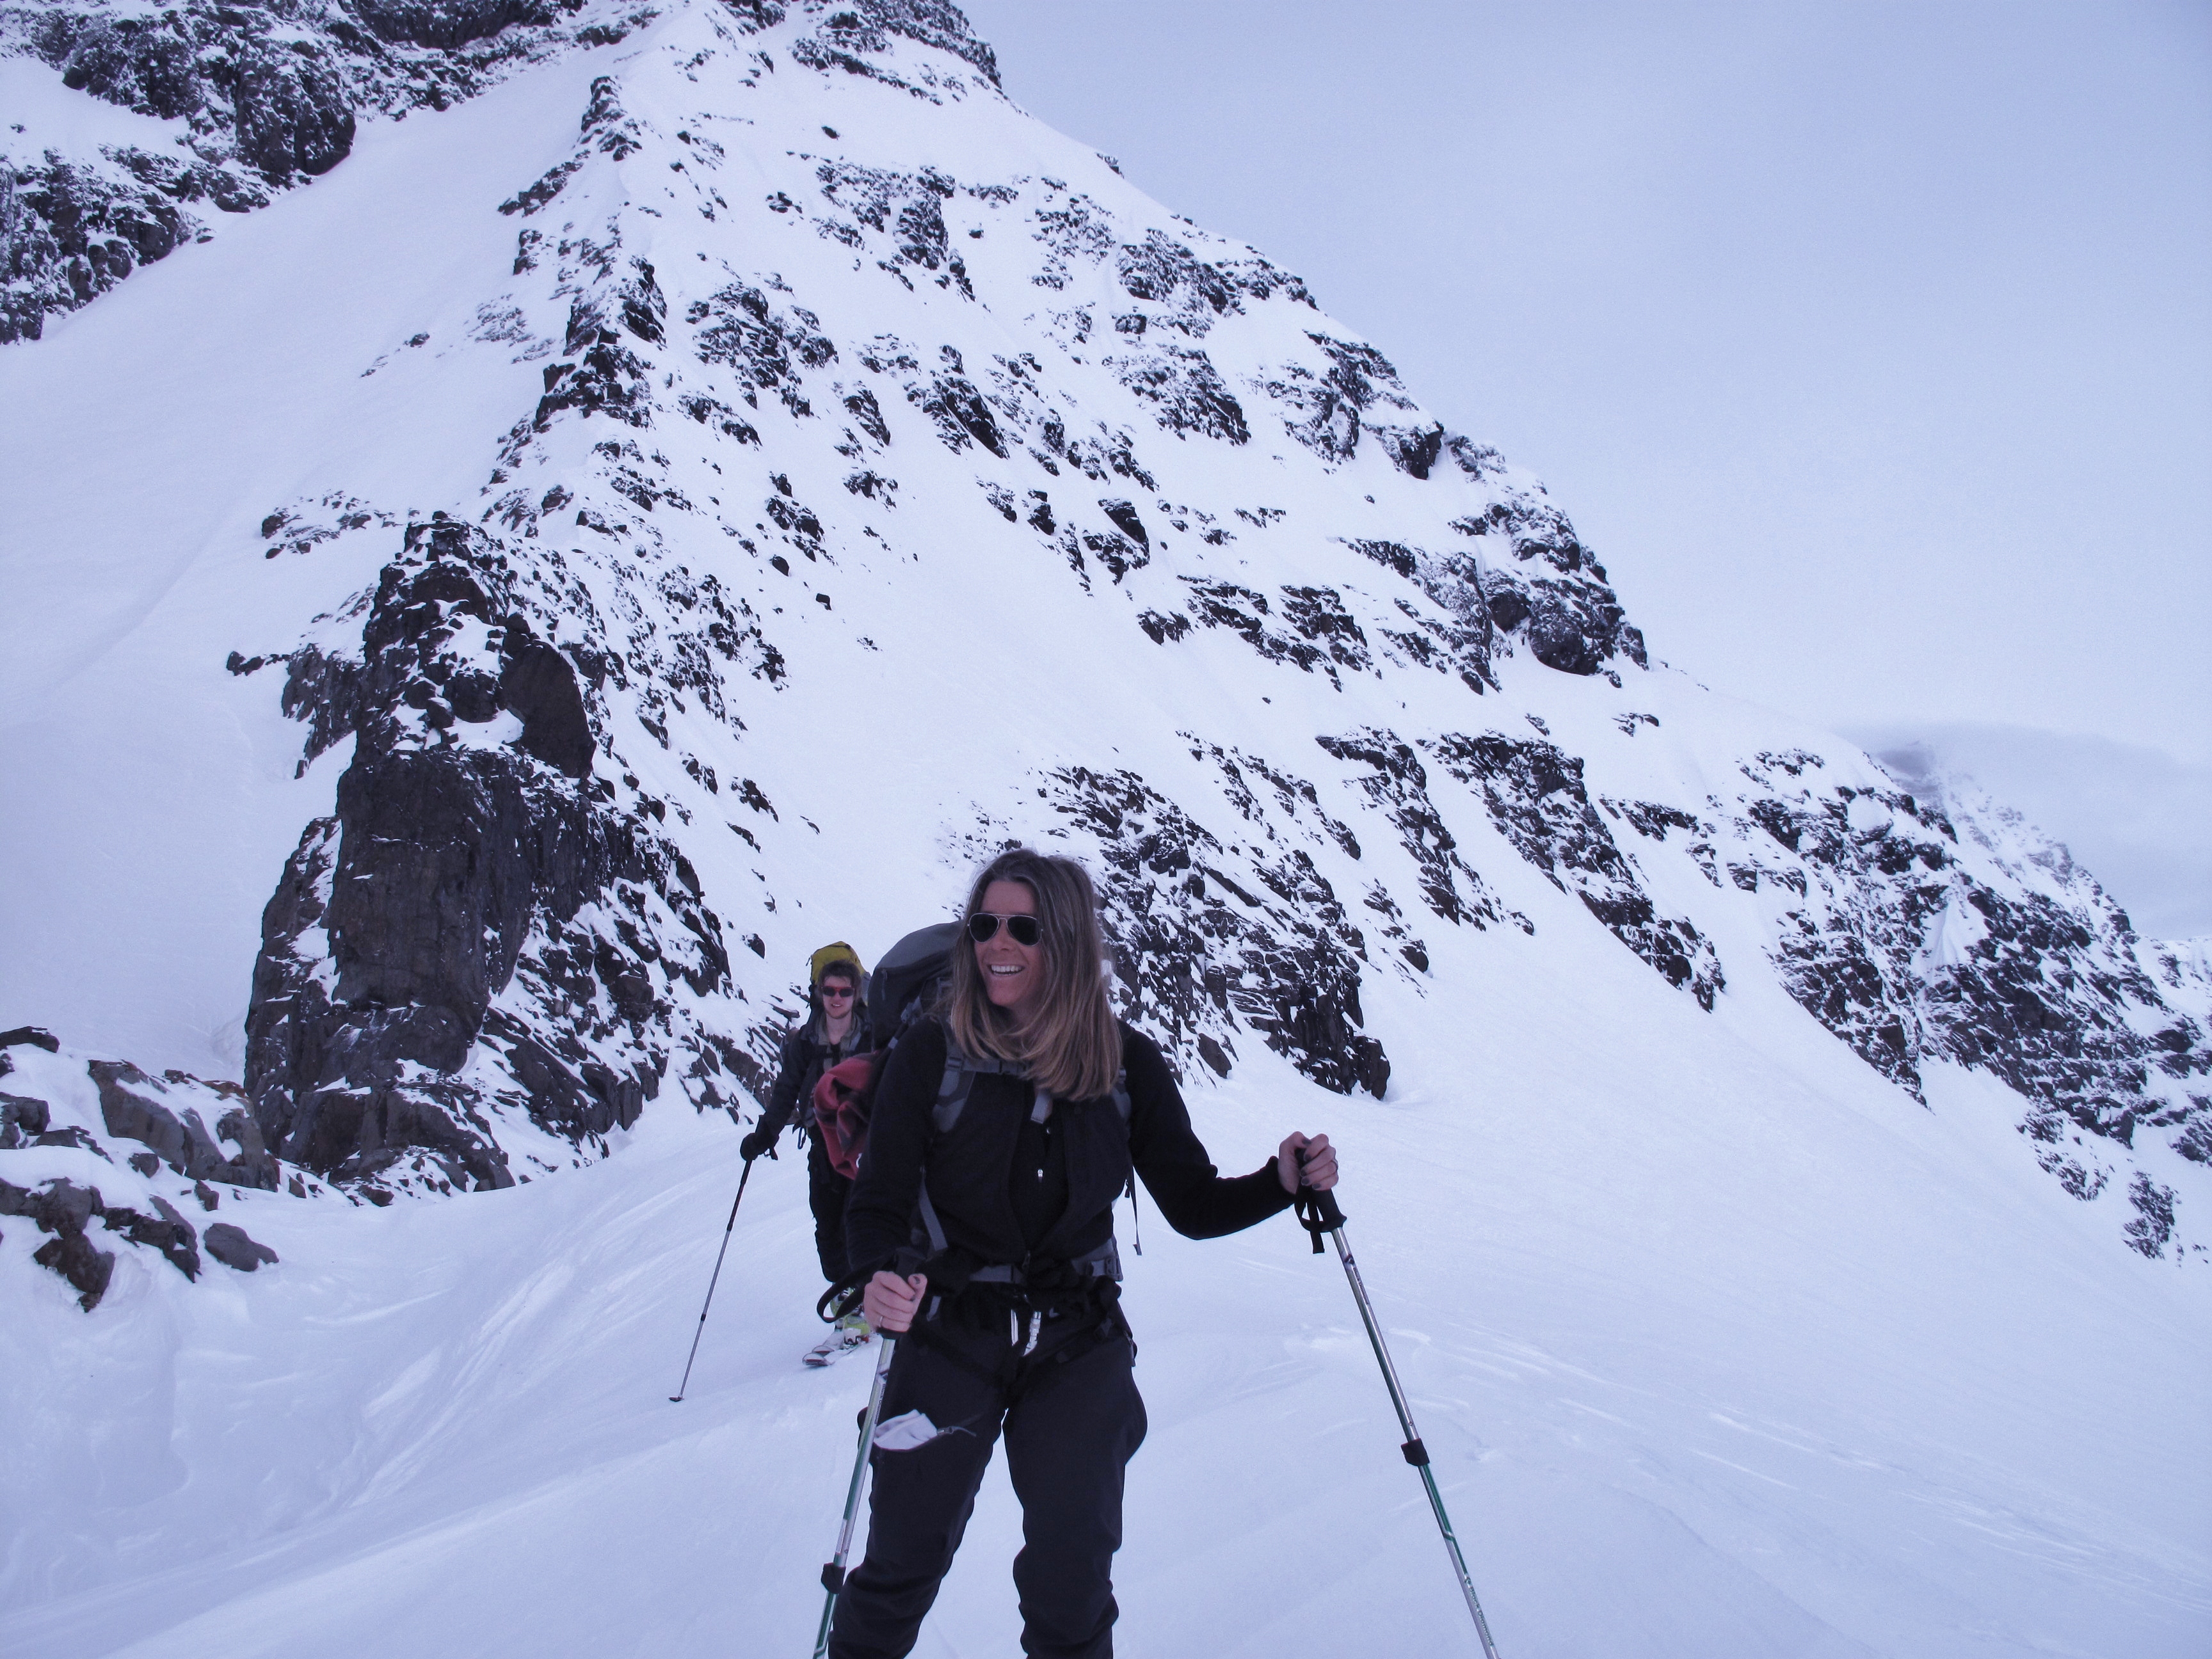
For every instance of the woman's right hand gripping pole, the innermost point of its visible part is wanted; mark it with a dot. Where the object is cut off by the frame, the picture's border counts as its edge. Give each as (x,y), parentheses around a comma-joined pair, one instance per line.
(890,1301)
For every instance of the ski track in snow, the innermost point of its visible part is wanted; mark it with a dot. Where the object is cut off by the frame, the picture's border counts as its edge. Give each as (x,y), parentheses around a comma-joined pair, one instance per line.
(1722,1344)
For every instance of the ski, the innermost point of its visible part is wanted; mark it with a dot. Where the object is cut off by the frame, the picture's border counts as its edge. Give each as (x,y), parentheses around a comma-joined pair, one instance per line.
(841,1340)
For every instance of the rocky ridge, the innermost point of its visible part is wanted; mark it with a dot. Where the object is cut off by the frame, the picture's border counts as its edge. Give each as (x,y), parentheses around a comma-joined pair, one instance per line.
(265,98)
(785,380)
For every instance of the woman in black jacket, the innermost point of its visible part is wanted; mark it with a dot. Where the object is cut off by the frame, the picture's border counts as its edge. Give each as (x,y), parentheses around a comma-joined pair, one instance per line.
(1003,1132)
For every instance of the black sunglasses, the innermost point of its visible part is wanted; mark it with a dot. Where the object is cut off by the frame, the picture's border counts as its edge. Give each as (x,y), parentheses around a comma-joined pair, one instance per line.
(839,990)
(984,925)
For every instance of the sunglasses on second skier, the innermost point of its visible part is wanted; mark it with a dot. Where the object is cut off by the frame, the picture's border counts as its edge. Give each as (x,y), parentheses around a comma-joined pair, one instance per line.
(984,925)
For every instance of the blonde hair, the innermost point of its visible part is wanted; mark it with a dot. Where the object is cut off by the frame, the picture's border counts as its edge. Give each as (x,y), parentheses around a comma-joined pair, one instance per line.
(1069,1040)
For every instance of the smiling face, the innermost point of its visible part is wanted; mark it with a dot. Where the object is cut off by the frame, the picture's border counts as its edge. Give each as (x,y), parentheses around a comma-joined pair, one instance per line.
(1012,972)
(838,1000)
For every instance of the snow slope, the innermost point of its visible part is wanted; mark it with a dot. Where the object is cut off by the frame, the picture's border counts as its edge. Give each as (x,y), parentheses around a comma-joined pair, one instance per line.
(1751,1369)
(1703,1195)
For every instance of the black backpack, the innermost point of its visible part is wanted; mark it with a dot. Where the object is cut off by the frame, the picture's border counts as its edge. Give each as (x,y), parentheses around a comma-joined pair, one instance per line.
(906,982)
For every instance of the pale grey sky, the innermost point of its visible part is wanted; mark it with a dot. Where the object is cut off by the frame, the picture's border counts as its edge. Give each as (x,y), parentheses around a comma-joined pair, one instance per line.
(1870,345)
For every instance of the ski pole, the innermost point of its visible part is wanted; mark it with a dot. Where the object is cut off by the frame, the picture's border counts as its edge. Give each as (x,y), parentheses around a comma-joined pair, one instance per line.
(1318,1214)
(833,1570)
(677,1399)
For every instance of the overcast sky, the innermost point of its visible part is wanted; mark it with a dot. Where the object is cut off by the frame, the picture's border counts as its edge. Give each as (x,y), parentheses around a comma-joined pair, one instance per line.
(1870,346)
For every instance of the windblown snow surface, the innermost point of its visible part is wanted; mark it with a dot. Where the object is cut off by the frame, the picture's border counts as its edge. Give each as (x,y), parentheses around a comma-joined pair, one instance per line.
(1733,1330)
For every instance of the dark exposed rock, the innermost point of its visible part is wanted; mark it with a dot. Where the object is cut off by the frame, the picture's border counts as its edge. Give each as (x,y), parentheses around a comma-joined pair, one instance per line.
(1397,783)
(856,29)
(21,1118)
(539,685)
(802,527)
(130,1107)
(230,1245)
(1549,588)
(1165,271)
(1458,641)
(87,1266)
(1536,799)
(527,200)
(1319,615)
(1413,450)
(69,230)
(70,1135)
(2020,1001)
(32,1036)
(1890,941)
(957,409)
(641,305)
(1187,392)
(56,1206)
(862,406)
(444,24)
(439,863)
(1323,636)
(434,915)
(1199,953)
(608,379)
(2152,1225)
(65,1209)
(1295,798)
(166,1231)
(768,348)
(1126,520)
(291,117)
(905,208)
(1239,610)
(1330,406)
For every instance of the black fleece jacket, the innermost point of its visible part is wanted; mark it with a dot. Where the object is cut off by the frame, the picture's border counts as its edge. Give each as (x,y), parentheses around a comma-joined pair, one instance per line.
(970,1171)
(804,1062)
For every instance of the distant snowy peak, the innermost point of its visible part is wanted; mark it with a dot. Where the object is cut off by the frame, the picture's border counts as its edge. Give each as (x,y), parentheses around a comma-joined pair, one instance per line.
(820,365)
(257,101)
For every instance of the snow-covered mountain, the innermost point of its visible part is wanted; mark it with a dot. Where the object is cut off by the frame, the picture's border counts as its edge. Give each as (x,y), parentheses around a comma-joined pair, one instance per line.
(614,498)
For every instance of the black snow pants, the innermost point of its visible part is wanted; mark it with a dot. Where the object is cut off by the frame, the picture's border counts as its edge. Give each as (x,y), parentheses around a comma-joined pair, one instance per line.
(826,1192)
(1072,1419)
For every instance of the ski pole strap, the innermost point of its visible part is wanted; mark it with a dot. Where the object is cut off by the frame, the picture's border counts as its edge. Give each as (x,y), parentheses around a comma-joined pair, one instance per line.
(1318,1214)
(843,1296)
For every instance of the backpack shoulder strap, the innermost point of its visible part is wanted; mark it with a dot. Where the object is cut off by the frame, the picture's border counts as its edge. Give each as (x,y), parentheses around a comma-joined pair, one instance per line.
(1121,1105)
(961,1071)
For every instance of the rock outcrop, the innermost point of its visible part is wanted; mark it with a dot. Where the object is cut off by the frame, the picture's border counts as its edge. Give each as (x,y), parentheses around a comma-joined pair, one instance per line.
(472,844)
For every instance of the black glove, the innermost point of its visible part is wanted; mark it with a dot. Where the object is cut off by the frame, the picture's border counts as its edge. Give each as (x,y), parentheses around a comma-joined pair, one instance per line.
(756,1142)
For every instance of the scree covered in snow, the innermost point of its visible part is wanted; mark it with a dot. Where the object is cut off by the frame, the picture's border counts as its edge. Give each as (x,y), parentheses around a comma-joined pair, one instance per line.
(522,521)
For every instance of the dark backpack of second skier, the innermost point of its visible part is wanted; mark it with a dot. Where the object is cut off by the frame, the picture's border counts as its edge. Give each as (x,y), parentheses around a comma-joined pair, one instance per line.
(904,987)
